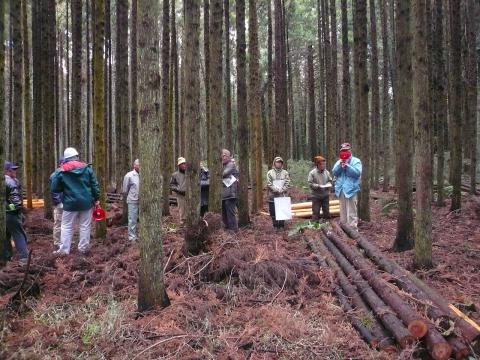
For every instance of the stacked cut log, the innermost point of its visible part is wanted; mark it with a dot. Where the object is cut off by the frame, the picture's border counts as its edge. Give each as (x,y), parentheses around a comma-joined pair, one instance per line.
(304,210)
(408,311)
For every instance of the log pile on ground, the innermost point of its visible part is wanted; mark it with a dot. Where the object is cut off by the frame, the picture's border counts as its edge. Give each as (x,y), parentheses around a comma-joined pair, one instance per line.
(303,210)
(394,303)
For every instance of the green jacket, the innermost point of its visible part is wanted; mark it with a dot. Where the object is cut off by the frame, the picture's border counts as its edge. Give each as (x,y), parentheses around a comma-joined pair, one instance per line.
(79,185)
(277,174)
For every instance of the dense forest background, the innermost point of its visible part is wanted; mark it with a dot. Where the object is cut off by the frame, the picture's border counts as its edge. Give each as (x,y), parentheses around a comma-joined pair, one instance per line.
(396,79)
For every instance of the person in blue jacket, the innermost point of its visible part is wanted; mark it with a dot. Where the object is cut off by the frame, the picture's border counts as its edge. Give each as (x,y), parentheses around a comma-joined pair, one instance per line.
(348,173)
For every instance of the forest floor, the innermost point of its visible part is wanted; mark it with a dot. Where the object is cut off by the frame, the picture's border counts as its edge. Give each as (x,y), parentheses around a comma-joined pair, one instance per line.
(255,294)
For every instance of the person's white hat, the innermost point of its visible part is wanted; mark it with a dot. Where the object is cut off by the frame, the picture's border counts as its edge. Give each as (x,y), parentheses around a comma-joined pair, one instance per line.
(69,153)
(181,160)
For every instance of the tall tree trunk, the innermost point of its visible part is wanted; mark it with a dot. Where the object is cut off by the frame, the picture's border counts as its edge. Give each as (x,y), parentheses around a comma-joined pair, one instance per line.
(67,75)
(77,55)
(439,97)
(346,118)
(216,113)
(228,86)
(48,31)
(167,128)
(193,236)
(281,105)
(37,97)
(122,117)
(27,105)
(254,103)
(323,50)
(386,148)
(376,139)
(471,29)
(455,103)
(3,134)
(404,127)
(332,115)
(99,155)
(17,114)
(361,96)
(174,75)
(423,165)
(242,125)
(291,104)
(207,58)
(133,78)
(312,133)
(269,155)
(89,81)
(108,105)
(151,286)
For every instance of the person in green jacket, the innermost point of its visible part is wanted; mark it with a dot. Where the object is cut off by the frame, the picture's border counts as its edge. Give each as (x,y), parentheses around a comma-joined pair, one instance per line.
(278,183)
(79,185)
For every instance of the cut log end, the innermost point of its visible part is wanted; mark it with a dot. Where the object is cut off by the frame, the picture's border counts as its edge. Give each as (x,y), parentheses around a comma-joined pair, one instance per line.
(389,349)
(459,348)
(441,351)
(418,328)
(406,341)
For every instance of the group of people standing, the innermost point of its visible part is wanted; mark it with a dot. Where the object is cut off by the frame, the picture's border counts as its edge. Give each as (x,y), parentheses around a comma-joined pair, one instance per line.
(75,193)
(347,173)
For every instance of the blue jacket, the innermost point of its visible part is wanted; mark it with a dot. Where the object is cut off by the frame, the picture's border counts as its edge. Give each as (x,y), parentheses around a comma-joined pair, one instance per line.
(57,198)
(348,178)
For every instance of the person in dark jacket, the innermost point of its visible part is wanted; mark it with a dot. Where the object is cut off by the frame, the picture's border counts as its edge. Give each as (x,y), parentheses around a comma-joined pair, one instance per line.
(229,192)
(178,185)
(204,189)
(14,206)
(79,185)
(57,202)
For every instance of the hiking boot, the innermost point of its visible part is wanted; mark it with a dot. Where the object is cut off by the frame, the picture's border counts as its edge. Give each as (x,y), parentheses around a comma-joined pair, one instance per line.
(60,253)
(23,261)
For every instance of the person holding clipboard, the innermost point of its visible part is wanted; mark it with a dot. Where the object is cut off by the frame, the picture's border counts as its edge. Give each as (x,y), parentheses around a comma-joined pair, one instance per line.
(320,183)
(278,183)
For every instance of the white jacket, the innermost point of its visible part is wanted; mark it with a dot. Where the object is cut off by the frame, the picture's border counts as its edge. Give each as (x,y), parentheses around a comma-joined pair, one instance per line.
(131,186)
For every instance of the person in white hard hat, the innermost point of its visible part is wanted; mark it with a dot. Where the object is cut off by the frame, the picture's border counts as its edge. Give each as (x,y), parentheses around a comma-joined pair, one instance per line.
(178,186)
(79,185)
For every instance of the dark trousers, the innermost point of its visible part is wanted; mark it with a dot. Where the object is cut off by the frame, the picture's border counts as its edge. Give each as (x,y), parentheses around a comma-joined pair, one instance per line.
(229,214)
(324,204)
(276,223)
(15,230)
(203,209)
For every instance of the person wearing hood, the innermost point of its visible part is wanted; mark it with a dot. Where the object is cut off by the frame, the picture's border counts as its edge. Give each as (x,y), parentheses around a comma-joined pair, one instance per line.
(278,183)
(13,220)
(57,202)
(320,183)
(178,185)
(79,185)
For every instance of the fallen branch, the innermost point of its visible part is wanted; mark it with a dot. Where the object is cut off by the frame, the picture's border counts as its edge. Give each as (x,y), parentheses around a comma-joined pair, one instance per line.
(283,286)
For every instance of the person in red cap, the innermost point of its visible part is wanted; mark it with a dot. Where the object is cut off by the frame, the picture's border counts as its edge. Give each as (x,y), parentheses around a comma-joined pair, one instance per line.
(348,172)
(320,183)
(13,221)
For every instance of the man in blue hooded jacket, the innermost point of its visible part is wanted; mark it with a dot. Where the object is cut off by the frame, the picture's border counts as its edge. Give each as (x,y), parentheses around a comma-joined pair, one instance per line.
(348,172)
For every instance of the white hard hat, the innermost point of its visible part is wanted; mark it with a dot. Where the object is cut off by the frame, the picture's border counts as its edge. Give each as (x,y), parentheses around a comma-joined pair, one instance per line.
(70,152)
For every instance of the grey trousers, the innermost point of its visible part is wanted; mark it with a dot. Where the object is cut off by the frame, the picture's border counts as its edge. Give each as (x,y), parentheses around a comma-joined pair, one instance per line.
(229,214)
(132,221)
(348,210)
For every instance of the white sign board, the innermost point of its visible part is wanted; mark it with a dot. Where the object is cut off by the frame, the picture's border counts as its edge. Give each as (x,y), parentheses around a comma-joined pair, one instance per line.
(283,208)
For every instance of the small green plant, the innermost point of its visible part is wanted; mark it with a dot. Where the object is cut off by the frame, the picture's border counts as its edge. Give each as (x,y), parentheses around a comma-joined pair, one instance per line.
(389,206)
(300,227)
(89,332)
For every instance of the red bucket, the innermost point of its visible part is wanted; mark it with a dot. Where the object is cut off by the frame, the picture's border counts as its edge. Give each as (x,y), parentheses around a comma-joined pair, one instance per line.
(98,213)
